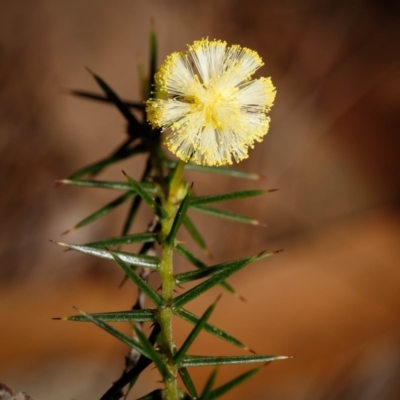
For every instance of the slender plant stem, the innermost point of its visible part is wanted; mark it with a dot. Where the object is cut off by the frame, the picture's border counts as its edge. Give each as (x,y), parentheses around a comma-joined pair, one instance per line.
(167,344)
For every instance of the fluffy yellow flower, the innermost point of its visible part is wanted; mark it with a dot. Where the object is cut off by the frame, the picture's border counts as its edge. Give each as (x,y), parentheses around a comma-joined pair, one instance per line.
(214,110)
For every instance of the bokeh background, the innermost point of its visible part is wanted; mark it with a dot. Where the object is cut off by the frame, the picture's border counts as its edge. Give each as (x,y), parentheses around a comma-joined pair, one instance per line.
(331,299)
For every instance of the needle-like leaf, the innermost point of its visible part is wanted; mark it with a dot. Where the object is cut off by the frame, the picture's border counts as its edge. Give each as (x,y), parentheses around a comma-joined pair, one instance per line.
(143,250)
(134,259)
(184,252)
(194,233)
(191,294)
(226,215)
(193,319)
(143,286)
(98,97)
(230,385)
(194,333)
(203,361)
(216,198)
(187,380)
(116,333)
(121,240)
(118,316)
(132,375)
(146,197)
(98,166)
(113,97)
(180,215)
(216,269)
(208,386)
(154,355)
(217,170)
(115,185)
(102,211)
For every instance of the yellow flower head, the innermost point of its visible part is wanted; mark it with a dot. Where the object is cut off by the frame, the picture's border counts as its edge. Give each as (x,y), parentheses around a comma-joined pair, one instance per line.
(214,110)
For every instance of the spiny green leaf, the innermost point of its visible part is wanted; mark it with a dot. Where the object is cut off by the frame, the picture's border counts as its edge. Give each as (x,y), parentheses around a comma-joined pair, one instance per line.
(94,96)
(154,395)
(187,380)
(98,166)
(208,386)
(134,259)
(193,334)
(147,186)
(194,233)
(112,96)
(231,384)
(193,319)
(121,240)
(202,361)
(217,170)
(146,197)
(184,252)
(143,250)
(132,375)
(216,269)
(226,215)
(143,286)
(116,333)
(102,211)
(180,215)
(226,196)
(196,291)
(118,316)
(154,354)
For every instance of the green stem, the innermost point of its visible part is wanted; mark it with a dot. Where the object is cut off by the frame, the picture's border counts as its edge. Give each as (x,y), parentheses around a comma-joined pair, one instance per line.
(167,344)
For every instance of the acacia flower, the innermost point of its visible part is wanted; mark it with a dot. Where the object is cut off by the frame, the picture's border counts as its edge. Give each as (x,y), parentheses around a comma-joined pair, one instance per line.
(213,108)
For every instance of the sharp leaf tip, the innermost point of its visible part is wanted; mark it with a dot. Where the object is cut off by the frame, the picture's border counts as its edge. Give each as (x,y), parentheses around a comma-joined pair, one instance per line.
(260,254)
(68,231)
(59,182)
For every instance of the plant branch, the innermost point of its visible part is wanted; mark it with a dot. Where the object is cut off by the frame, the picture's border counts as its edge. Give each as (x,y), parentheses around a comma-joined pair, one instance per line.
(176,193)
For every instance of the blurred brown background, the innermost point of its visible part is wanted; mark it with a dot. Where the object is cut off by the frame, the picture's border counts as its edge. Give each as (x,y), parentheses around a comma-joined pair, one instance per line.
(331,299)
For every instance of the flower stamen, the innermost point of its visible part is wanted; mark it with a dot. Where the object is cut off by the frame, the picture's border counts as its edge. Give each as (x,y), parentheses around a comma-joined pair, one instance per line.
(214,110)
